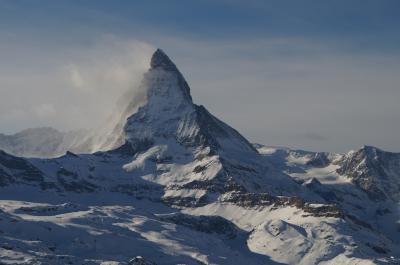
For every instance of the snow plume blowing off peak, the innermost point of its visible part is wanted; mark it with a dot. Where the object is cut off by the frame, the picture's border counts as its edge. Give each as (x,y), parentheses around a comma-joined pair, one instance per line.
(161,88)
(159,108)
(84,96)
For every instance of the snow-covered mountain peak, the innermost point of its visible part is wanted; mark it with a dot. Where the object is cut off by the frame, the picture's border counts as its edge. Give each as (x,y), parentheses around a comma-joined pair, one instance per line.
(374,170)
(369,151)
(169,113)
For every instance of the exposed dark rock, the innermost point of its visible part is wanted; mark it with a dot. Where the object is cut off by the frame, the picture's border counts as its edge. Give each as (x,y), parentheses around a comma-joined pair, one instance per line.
(378,249)
(7,247)
(64,172)
(327,194)
(205,224)
(359,222)
(199,169)
(249,200)
(77,186)
(319,160)
(289,201)
(254,200)
(218,185)
(139,190)
(317,210)
(68,153)
(51,209)
(186,201)
(323,210)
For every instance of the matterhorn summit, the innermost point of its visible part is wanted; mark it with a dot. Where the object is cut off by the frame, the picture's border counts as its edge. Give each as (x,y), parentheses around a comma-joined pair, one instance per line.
(170,113)
(166,182)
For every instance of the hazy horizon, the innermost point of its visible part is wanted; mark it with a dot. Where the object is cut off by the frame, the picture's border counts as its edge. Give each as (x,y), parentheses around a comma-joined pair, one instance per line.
(317,76)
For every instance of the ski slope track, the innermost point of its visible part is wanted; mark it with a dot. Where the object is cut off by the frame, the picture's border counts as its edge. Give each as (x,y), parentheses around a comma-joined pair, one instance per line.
(176,185)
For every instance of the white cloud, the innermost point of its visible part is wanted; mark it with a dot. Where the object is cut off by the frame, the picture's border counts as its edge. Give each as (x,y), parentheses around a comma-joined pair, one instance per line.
(45,111)
(80,86)
(75,77)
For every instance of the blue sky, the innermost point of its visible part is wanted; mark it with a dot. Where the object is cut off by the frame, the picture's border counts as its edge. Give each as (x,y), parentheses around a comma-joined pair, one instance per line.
(319,75)
(350,20)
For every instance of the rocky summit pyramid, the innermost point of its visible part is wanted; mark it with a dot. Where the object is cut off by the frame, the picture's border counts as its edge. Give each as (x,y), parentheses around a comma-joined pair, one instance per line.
(169,183)
(170,114)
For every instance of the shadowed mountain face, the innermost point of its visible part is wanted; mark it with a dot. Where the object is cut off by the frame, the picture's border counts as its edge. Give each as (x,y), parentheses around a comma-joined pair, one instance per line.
(167,178)
(377,172)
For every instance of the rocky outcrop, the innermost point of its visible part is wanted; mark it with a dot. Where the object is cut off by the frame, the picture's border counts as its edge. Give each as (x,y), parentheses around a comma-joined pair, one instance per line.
(259,200)
(375,171)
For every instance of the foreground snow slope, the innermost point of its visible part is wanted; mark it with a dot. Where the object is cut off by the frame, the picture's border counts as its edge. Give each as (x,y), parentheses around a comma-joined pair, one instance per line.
(182,187)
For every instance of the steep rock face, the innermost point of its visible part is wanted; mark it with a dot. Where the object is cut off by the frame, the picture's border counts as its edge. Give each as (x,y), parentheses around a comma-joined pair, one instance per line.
(375,171)
(170,113)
